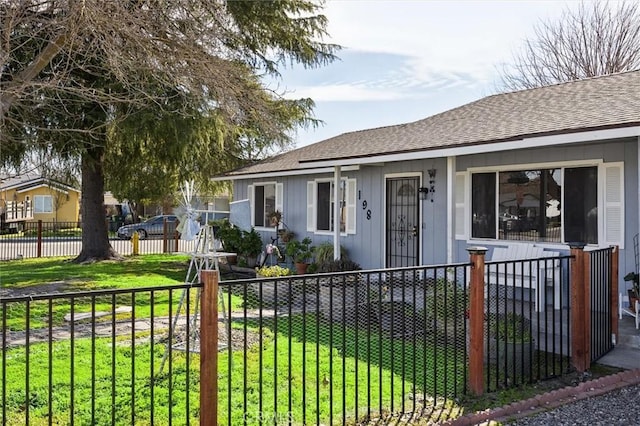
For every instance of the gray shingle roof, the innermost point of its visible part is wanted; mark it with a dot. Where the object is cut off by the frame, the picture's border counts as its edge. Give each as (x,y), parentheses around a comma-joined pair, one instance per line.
(595,103)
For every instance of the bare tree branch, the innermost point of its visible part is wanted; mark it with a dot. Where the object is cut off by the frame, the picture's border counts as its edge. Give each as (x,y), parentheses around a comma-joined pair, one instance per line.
(596,39)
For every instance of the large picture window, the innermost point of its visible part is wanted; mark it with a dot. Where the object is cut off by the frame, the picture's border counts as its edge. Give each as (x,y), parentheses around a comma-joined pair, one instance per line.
(544,205)
(42,204)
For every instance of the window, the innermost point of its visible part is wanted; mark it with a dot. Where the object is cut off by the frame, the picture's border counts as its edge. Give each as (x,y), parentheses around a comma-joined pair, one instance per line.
(265,199)
(547,205)
(42,204)
(321,202)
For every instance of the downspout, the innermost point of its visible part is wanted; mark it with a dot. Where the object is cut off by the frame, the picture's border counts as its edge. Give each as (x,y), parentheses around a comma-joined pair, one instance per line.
(451,208)
(336,212)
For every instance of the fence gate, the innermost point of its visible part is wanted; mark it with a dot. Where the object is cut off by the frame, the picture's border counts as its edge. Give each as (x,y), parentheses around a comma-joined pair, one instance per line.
(403,222)
(600,284)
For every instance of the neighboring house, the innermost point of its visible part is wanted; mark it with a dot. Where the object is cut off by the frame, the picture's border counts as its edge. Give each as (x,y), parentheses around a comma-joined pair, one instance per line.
(31,198)
(546,166)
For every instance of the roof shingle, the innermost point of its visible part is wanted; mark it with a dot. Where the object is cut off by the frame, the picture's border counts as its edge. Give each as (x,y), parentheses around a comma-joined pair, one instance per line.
(590,104)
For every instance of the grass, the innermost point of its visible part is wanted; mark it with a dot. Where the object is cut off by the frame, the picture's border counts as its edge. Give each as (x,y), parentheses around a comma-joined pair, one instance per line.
(56,274)
(300,369)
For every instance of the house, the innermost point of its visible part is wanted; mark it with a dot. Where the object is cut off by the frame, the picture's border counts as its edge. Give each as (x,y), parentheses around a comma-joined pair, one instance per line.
(544,166)
(30,198)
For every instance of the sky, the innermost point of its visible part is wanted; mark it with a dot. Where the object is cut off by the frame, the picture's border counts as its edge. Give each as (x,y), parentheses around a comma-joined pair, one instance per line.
(406,60)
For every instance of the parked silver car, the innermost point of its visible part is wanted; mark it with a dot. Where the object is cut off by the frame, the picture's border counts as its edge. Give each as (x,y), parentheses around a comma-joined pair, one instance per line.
(151,227)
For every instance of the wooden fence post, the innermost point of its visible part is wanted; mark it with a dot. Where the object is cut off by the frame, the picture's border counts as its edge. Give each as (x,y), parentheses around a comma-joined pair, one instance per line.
(476,320)
(39,240)
(209,349)
(579,307)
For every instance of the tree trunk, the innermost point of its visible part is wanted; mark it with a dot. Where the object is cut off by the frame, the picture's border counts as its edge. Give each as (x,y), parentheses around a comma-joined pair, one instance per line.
(95,239)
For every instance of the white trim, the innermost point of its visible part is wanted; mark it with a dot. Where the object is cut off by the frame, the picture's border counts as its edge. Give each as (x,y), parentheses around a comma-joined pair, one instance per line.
(282,173)
(43,196)
(484,148)
(252,198)
(312,217)
(451,206)
(612,204)
(42,185)
(545,165)
(337,201)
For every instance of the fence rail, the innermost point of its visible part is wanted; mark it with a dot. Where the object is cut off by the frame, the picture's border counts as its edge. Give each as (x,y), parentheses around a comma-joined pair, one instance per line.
(52,239)
(351,347)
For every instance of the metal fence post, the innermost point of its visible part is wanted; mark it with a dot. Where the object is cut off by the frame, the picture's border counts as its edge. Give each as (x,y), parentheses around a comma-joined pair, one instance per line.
(209,349)
(476,320)
(579,307)
(165,228)
(615,258)
(39,243)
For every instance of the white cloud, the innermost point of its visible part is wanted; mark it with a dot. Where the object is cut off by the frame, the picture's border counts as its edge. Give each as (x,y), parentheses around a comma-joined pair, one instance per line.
(442,35)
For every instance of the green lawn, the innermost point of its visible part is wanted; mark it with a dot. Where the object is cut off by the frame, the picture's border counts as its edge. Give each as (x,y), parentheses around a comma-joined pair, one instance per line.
(301,369)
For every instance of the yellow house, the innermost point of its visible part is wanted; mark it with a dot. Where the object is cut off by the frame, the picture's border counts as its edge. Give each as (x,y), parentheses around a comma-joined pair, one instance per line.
(30,199)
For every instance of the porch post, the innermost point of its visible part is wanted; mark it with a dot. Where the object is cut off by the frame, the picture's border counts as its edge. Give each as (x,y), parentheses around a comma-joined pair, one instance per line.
(579,307)
(336,212)
(209,348)
(476,320)
(451,207)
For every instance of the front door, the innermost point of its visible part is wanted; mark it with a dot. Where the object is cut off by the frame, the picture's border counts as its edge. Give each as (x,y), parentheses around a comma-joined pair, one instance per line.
(402,223)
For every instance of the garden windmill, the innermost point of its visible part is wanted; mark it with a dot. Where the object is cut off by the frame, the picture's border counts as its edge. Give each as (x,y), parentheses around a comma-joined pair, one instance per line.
(185,335)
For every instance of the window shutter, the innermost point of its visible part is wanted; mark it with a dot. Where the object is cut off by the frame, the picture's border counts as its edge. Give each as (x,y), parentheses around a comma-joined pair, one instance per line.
(251,205)
(280,197)
(351,206)
(311,204)
(461,206)
(614,204)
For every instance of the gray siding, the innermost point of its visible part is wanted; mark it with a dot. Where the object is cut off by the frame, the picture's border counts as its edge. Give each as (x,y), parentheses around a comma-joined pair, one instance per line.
(367,245)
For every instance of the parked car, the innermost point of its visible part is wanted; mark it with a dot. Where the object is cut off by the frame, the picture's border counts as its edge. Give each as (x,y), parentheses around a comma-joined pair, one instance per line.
(151,227)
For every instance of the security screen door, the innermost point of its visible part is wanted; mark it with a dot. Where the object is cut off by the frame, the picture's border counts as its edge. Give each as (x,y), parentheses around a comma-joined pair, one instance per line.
(402,222)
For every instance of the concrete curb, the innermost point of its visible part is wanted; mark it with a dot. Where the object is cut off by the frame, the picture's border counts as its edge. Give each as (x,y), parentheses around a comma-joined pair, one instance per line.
(551,399)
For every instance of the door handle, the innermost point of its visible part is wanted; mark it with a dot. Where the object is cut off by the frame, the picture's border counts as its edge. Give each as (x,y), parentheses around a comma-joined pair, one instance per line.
(414,231)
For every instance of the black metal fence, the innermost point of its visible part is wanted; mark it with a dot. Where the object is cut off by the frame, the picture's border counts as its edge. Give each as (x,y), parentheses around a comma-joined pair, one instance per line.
(600,294)
(95,357)
(355,346)
(313,349)
(51,239)
(527,321)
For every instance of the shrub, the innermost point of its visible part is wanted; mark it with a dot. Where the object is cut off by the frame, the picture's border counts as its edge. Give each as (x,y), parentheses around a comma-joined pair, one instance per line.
(339,265)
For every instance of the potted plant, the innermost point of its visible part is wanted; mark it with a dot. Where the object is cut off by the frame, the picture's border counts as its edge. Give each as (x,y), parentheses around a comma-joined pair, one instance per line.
(300,253)
(324,253)
(285,235)
(275,217)
(230,236)
(250,247)
(634,291)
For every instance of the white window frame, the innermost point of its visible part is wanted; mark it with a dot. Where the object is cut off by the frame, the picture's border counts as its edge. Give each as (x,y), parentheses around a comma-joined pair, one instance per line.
(278,202)
(38,200)
(607,205)
(349,205)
